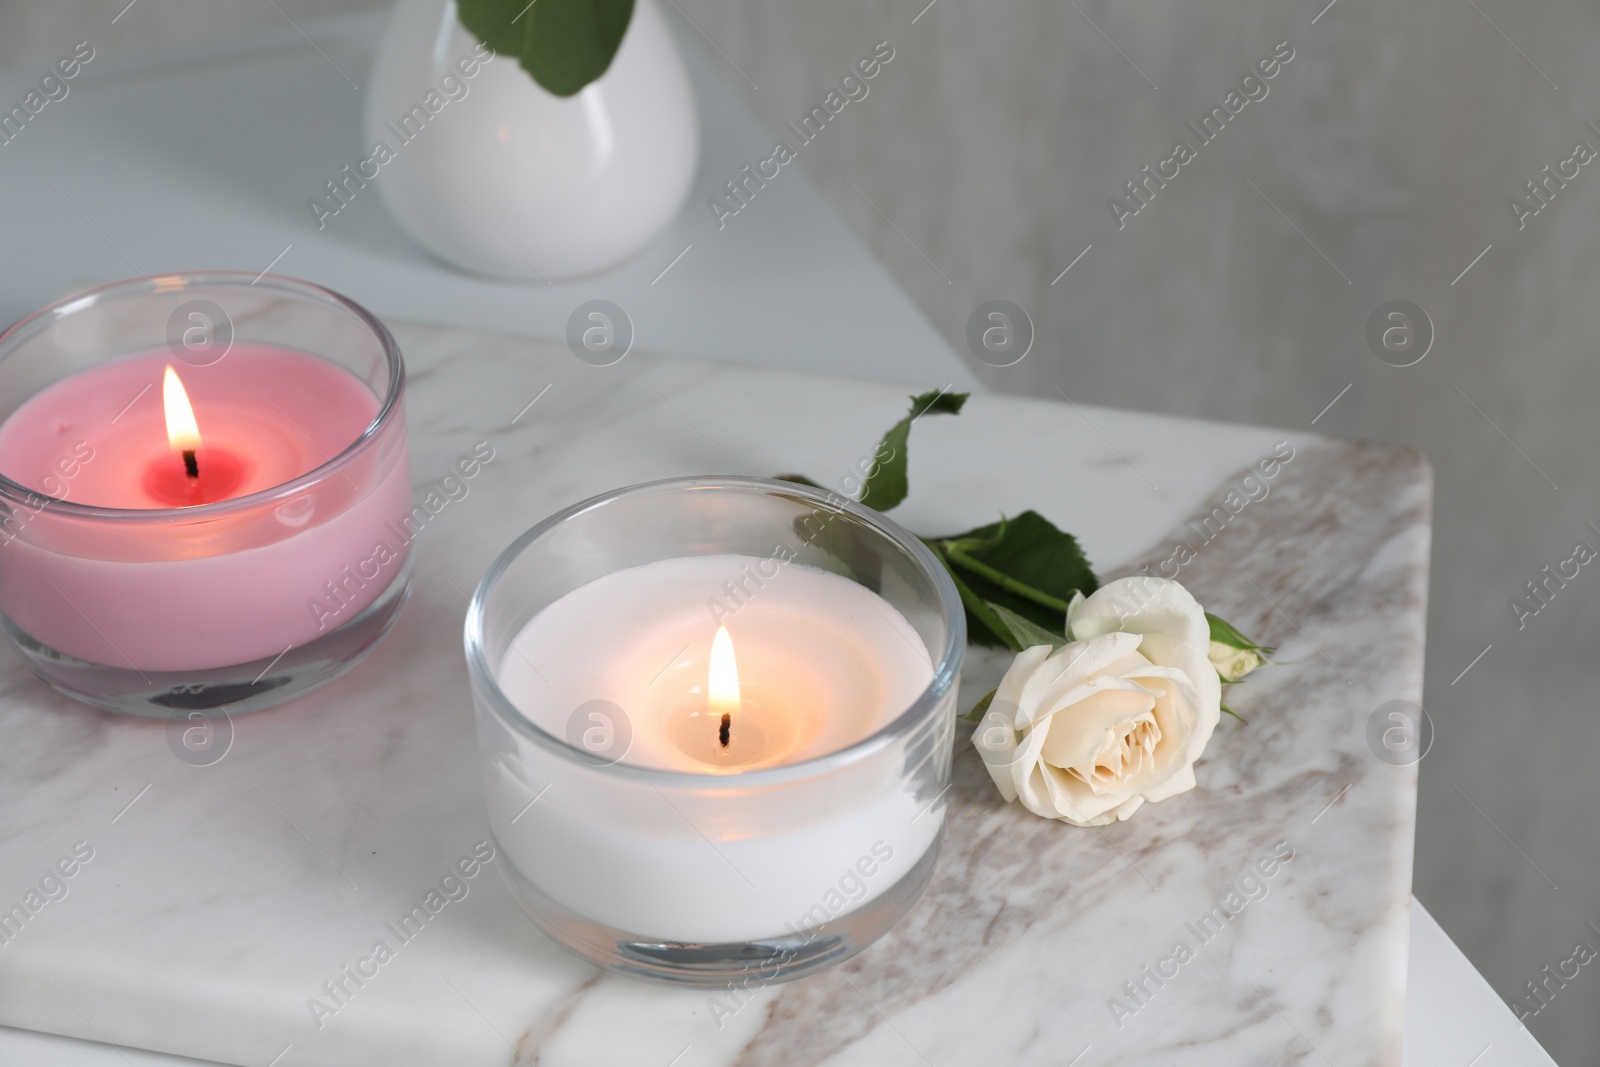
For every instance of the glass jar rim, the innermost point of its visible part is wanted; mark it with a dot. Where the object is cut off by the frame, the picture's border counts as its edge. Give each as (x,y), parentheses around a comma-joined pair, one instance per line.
(388,407)
(945,668)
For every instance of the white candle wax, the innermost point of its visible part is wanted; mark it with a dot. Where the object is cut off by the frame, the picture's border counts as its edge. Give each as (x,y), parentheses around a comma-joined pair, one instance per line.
(823,663)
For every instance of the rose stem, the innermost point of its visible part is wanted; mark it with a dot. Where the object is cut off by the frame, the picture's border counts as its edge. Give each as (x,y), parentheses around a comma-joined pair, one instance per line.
(1005,581)
(974,603)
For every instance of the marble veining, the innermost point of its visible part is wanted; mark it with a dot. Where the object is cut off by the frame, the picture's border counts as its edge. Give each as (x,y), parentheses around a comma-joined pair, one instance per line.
(221,899)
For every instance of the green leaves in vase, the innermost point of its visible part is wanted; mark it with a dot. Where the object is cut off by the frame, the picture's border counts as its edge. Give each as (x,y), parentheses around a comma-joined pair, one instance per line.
(563,44)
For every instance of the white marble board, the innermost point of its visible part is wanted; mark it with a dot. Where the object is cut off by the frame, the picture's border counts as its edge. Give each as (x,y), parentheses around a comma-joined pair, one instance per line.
(219,899)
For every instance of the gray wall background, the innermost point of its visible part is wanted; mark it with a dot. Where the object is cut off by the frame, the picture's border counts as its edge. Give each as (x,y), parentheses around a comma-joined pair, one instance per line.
(1382,160)
(1392,141)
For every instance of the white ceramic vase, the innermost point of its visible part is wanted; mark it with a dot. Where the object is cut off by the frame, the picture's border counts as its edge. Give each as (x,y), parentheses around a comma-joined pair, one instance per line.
(492,173)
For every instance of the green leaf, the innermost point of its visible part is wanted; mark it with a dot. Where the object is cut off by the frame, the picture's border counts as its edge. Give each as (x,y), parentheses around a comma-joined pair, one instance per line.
(1028,550)
(967,562)
(490,21)
(968,543)
(799,479)
(977,712)
(1224,633)
(983,625)
(1229,711)
(1026,631)
(886,485)
(563,44)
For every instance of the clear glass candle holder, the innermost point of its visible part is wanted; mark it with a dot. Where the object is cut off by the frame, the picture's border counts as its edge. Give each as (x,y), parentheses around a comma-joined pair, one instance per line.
(146,572)
(655,831)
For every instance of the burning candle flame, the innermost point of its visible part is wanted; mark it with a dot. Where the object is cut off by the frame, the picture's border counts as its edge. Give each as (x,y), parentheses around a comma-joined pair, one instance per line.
(723,687)
(183,433)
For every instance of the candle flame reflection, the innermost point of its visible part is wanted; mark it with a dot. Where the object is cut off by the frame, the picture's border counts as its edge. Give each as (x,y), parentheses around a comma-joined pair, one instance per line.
(183,433)
(723,686)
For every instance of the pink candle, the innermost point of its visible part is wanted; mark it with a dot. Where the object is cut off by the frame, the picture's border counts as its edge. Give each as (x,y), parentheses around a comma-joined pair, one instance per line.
(224,548)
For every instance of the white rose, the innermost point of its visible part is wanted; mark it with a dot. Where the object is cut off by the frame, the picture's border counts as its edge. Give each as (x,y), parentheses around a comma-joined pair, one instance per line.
(1089,732)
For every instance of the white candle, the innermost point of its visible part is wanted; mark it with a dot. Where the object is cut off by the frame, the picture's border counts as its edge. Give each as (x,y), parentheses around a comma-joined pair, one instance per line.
(822,663)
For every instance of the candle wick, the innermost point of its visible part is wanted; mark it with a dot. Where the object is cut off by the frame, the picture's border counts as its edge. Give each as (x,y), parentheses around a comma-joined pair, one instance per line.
(191,465)
(727,728)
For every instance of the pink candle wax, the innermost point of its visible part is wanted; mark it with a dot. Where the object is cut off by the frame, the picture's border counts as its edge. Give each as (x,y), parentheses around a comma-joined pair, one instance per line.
(167,585)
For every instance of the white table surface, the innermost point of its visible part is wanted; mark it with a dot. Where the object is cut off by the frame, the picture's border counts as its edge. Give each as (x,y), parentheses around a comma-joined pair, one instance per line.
(176,160)
(204,158)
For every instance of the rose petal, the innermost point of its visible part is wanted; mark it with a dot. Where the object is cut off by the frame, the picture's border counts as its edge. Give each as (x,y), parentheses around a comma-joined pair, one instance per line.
(1033,793)
(1175,714)
(1071,666)
(1077,736)
(1144,605)
(1072,607)
(1124,810)
(1070,799)
(1025,774)
(1195,663)
(996,743)
(1127,758)
(1008,695)
(1181,782)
